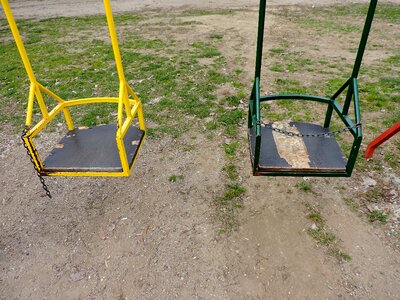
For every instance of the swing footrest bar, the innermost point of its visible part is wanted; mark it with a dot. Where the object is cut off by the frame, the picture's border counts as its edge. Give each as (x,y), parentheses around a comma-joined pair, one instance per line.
(297,156)
(92,150)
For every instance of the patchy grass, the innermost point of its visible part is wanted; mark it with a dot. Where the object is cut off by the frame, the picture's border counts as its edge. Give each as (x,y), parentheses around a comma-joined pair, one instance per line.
(175,178)
(377,215)
(315,216)
(322,236)
(233,191)
(304,185)
(375,194)
(231,171)
(228,205)
(155,67)
(340,255)
(352,204)
(230,150)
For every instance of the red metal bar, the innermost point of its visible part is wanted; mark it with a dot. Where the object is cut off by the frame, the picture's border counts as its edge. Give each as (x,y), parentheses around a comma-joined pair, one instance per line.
(381,139)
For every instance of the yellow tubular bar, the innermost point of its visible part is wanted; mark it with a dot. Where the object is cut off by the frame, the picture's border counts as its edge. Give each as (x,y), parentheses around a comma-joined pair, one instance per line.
(29,110)
(68,119)
(67,114)
(142,124)
(114,40)
(122,152)
(40,100)
(18,40)
(84,101)
(126,102)
(120,105)
(132,93)
(89,174)
(50,93)
(31,148)
(129,120)
(44,121)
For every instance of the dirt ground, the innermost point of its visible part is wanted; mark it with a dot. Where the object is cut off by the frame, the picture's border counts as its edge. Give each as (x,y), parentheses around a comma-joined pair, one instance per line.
(52,8)
(144,237)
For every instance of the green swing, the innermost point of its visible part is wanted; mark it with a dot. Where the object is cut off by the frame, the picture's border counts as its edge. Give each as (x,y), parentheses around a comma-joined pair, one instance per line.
(271,145)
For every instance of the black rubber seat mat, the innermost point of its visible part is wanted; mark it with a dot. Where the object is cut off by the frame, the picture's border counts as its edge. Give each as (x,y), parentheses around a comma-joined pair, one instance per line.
(93,150)
(298,154)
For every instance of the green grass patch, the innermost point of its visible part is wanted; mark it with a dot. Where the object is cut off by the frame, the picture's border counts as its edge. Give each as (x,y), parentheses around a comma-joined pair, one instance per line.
(340,255)
(322,236)
(377,215)
(277,51)
(231,171)
(228,206)
(315,216)
(230,150)
(353,205)
(304,186)
(204,50)
(233,191)
(216,36)
(175,178)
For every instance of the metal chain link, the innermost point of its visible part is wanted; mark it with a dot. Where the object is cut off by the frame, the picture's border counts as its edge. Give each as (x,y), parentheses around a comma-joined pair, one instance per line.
(33,162)
(322,134)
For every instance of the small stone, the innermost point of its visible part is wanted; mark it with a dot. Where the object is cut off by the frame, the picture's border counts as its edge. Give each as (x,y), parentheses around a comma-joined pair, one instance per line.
(369,182)
(155,101)
(77,275)
(111,227)
(397,214)
(314,226)
(394,194)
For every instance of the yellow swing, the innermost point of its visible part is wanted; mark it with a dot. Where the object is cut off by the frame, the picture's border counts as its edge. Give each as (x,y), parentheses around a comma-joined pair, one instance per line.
(106,150)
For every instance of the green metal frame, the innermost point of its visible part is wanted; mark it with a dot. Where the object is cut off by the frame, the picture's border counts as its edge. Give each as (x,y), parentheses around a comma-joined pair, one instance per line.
(254,117)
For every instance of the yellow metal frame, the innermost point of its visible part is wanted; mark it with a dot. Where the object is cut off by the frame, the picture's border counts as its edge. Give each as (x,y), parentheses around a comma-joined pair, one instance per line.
(131,106)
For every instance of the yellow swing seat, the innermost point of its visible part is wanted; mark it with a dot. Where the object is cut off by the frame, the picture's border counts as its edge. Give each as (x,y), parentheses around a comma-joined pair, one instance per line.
(98,152)
(106,150)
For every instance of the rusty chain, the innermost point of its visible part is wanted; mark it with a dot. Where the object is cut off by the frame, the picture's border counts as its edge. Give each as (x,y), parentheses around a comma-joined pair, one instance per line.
(322,134)
(42,181)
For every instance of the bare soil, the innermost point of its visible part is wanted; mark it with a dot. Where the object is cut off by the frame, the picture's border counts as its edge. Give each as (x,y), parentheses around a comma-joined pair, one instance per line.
(144,237)
(54,8)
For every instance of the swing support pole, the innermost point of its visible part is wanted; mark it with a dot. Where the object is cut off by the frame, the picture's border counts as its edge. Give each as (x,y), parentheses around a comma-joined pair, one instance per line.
(34,91)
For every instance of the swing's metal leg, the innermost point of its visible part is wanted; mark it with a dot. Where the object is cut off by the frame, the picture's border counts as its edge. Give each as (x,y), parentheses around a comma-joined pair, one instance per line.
(358,61)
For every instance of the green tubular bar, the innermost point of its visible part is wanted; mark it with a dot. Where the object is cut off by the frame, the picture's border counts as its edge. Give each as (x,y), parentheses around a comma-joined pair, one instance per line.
(296,97)
(361,51)
(258,127)
(333,104)
(254,117)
